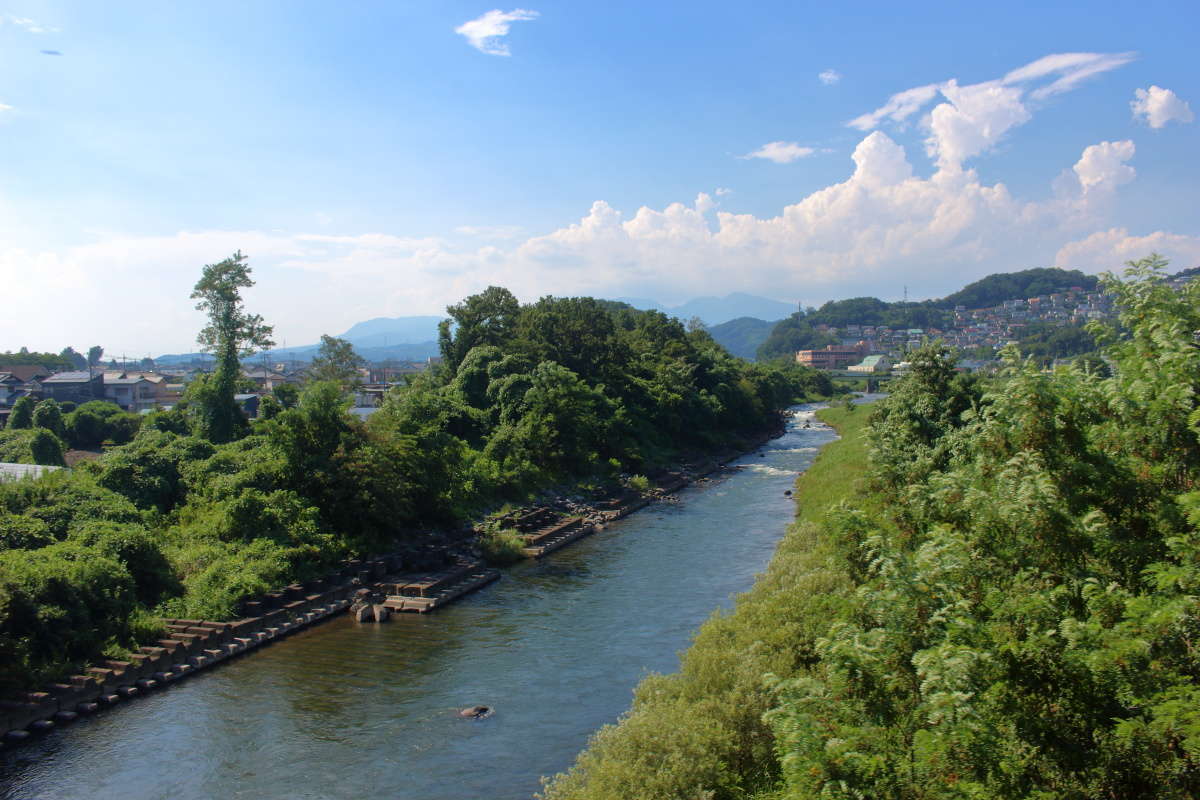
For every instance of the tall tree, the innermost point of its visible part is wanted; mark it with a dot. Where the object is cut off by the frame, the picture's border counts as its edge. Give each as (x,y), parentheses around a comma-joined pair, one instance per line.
(485,318)
(77,360)
(336,361)
(95,353)
(231,334)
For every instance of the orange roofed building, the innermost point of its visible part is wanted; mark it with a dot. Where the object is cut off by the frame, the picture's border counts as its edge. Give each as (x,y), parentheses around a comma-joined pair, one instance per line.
(831,357)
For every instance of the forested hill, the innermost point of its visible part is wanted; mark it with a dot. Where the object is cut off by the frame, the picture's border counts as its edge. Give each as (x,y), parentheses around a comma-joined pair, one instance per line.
(799,331)
(742,336)
(995,289)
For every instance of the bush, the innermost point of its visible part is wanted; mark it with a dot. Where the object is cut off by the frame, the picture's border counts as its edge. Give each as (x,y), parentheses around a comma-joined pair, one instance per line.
(132,547)
(18,532)
(501,547)
(22,414)
(639,483)
(59,605)
(31,446)
(48,415)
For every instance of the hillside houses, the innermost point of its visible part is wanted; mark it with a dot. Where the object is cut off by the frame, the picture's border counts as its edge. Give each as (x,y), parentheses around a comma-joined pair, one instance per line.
(982,327)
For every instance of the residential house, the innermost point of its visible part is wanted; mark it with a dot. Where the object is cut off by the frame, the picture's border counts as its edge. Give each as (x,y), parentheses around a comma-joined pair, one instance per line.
(266,380)
(76,387)
(130,391)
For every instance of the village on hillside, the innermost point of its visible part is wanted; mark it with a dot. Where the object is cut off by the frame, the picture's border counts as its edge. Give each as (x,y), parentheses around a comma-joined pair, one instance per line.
(867,349)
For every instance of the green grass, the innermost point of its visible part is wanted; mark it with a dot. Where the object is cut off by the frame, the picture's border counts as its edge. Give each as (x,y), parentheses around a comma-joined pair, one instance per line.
(701,730)
(838,470)
(502,547)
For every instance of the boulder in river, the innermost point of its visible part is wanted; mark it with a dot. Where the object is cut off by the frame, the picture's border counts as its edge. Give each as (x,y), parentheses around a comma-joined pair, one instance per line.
(475,712)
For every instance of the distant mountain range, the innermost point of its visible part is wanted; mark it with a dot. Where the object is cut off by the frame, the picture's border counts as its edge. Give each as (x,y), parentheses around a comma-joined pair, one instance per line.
(717,310)
(415,338)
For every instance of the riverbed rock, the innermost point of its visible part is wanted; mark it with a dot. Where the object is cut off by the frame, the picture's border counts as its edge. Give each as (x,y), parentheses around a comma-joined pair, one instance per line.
(476,712)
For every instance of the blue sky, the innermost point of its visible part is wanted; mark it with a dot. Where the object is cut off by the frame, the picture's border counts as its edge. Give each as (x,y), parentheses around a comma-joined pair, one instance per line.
(373,161)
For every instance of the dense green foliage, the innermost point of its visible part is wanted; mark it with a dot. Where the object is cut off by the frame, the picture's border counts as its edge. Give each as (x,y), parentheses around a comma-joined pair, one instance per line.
(1044,342)
(99,421)
(22,413)
(1009,610)
(30,446)
(193,514)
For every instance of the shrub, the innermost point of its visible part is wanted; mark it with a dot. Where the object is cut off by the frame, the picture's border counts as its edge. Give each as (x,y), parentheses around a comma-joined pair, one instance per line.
(501,547)
(639,483)
(48,415)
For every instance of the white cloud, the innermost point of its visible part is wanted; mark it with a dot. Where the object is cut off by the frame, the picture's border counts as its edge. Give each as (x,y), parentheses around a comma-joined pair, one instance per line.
(490,231)
(975,117)
(485,32)
(1071,69)
(829,77)
(28,24)
(1159,106)
(781,152)
(880,228)
(1102,166)
(898,108)
(722,191)
(1110,249)
(973,120)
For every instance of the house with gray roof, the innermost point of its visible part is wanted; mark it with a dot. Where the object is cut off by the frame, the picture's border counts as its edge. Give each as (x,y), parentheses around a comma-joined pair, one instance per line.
(76,387)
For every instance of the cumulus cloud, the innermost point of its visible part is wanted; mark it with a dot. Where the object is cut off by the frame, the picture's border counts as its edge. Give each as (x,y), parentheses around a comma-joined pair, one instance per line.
(781,152)
(829,77)
(880,228)
(486,33)
(973,118)
(1158,106)
(1110,249)
(1102,166)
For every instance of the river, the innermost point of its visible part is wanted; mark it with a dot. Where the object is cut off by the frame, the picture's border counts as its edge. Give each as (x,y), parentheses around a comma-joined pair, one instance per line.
(343,710)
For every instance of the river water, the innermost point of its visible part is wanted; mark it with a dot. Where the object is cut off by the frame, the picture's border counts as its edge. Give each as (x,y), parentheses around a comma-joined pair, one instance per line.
(343,710)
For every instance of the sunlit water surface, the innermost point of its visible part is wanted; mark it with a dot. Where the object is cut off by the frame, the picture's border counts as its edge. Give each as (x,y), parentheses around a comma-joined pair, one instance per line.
(350,710)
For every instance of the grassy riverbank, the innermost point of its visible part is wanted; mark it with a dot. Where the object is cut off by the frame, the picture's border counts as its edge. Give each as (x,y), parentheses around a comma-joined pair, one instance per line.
(702,728)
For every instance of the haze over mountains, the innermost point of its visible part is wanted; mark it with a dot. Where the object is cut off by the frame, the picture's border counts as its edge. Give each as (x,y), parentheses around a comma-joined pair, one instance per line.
(415,338)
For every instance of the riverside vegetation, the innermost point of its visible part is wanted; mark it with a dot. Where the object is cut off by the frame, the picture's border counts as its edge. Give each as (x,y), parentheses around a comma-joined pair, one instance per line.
(990,592)
(201,508)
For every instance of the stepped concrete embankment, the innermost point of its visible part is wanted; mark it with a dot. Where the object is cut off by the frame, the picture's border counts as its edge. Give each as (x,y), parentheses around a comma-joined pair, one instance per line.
(193,645)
